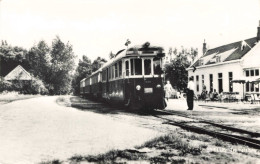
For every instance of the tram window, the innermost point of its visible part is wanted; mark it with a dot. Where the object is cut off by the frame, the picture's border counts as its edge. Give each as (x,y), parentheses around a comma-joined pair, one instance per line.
(104,75)
(127,68)
(108,73)
(116,73)
(113,71)
(157,66)
(138,66)
(132,66)
(147,66)
(120,68)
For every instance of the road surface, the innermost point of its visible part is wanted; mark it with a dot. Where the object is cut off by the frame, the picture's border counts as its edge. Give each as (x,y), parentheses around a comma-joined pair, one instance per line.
(38,129)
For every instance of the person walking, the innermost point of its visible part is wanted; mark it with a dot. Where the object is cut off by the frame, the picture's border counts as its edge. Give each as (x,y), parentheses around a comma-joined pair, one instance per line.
(190,93)
(168,90)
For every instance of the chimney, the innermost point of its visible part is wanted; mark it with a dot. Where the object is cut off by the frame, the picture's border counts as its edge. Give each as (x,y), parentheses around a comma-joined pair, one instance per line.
(205,48)
(258,33)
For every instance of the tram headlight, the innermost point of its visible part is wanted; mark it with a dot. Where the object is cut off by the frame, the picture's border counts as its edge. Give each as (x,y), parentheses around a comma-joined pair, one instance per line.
(158,86)
(138,87)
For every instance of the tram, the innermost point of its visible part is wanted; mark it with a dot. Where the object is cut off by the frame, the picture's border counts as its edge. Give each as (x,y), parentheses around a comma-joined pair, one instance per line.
(133,78)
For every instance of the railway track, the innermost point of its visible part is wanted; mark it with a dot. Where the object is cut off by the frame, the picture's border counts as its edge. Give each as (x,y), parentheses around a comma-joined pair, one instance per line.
(237,139)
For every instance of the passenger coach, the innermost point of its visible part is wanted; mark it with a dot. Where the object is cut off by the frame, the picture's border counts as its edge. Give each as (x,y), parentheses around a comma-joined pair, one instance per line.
(133,78)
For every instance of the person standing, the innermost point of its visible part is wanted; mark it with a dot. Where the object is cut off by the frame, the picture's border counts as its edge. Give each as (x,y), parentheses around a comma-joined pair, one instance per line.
(190,93)
(168,90)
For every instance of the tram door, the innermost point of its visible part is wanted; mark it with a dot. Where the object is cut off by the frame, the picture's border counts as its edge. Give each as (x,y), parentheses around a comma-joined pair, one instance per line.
(107,82)
(126,81)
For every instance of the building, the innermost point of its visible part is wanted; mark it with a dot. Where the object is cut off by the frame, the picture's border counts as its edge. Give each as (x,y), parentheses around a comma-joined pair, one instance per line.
(217,67)
(18,73)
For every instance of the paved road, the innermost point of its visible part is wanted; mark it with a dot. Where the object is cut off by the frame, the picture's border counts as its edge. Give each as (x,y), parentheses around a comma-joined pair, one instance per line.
(38,129)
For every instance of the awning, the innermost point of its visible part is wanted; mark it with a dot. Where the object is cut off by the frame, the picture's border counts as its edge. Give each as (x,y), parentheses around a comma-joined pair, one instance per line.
(246,79)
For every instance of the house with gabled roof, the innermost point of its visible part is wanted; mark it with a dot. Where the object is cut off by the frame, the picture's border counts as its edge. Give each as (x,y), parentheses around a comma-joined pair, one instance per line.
(18,73)
(217,67)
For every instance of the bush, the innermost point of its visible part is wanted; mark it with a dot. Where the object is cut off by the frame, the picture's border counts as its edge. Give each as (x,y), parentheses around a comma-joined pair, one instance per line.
(5,85)
(34,86)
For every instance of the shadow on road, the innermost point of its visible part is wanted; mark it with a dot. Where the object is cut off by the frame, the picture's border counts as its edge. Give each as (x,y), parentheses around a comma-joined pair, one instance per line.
(105,108)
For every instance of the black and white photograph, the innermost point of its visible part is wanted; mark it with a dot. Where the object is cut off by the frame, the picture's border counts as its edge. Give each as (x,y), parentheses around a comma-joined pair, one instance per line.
(129,81)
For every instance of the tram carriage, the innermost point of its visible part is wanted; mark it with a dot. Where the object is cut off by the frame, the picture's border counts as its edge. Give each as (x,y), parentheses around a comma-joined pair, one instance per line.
(85,87)
(82,86)
(133,78)
(96,86)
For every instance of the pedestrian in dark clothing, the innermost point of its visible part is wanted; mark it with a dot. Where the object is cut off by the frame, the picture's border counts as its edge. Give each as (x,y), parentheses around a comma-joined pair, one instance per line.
(190,93)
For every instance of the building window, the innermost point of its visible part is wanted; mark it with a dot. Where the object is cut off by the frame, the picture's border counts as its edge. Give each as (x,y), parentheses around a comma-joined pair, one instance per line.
(252,88)
(202,81)
(211,82)
(230,78)
(257,87)
(247,87)
(218,59)
(247,73)
(197,82)
(201,62)
(220,83)
(252,72)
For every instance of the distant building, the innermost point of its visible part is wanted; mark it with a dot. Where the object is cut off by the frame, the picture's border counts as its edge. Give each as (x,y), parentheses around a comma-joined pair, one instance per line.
(18,73)
(217,67)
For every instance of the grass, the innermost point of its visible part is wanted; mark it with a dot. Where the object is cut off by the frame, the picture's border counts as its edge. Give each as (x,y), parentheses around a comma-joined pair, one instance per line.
(172,148)
(55,161)
(110,156)
(174,142)
(7,97)
(166,142)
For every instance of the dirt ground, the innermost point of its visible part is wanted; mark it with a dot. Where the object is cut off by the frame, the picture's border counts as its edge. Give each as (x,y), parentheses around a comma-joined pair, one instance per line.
(74,130)
(38,129)
(177,145)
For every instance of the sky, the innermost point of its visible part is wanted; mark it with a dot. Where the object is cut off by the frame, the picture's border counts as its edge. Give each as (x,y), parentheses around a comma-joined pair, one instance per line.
(97,27)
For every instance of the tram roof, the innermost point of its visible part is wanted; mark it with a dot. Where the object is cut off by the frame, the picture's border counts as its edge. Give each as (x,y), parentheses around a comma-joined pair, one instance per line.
(135,51)
(139,50)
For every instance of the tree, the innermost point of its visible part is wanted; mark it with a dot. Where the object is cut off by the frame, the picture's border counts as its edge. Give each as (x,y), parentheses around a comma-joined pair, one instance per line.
(176,72)
(39,59)
(10,57)
(62,66)
(98,63)
(83,70)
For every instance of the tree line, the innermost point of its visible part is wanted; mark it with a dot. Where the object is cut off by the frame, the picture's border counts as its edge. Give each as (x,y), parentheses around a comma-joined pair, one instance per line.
(54,71)
(51,66)
(175,70)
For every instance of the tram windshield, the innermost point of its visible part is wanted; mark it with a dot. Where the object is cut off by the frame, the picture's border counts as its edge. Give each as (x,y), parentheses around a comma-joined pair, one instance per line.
(136,66)
(147,66)
(157,66)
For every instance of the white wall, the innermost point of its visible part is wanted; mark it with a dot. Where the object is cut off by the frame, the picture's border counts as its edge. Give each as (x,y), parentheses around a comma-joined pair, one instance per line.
(235,68)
